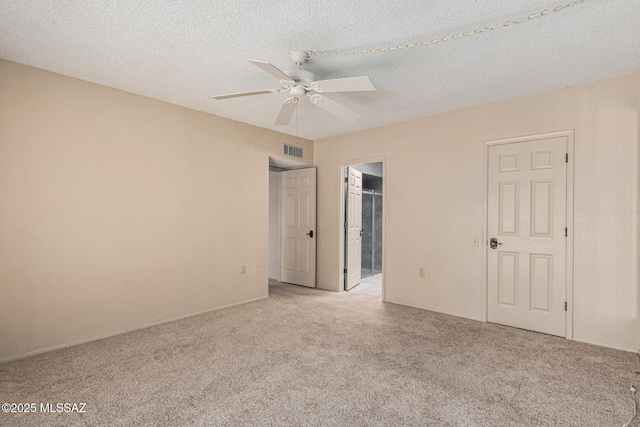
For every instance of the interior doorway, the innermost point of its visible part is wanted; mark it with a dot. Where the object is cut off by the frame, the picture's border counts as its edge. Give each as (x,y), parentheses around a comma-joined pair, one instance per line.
(292,217)
(364,203)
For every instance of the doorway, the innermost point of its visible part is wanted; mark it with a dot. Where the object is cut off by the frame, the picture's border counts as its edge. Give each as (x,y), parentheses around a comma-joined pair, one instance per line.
(292,222)
(363,213)
(529,233)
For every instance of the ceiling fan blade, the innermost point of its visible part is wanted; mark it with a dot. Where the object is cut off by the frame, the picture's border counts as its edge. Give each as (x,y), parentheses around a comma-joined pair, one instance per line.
(239,94)
(285,113)
(348,84)
(337,109)
(271,69)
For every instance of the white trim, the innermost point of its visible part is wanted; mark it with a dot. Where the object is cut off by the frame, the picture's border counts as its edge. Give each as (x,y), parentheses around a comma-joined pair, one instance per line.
(485,238)
(341,219)
(570,138)
(580,340)
(569,241)
(615,347)
(433,310)
(124,331)
(533,137)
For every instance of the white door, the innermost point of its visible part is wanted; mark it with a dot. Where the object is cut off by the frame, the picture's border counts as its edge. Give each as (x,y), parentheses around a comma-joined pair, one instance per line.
(527,185)
(354,228)
(298,227)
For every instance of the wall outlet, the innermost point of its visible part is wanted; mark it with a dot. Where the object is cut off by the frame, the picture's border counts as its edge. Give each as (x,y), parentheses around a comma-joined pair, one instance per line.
(474,240)
(421,272)
(258,266)
(243,269)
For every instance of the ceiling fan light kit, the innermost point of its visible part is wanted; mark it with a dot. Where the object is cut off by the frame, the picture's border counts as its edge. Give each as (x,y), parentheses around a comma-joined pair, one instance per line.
(299,83)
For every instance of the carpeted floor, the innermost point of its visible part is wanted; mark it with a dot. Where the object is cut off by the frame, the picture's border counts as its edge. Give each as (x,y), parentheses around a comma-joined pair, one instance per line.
(309,357)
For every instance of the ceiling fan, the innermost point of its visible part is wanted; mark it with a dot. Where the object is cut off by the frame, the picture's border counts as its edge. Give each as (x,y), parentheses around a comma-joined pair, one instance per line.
(299,83)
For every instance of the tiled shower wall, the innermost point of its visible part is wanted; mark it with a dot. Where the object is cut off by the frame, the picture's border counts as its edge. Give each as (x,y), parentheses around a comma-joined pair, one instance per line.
(371,234)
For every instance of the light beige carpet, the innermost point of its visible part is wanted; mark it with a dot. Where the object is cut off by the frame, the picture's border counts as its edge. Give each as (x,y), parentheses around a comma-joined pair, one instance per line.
(308,357)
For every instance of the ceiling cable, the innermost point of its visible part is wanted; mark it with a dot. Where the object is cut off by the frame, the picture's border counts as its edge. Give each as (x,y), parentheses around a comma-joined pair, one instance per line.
(506,24)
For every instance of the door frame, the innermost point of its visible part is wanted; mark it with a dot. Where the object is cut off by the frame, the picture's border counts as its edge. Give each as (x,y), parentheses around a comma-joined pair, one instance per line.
(569,135)
(341,218)
(279,164)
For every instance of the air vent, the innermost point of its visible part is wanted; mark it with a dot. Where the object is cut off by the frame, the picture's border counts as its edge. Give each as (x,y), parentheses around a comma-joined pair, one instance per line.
(290,150)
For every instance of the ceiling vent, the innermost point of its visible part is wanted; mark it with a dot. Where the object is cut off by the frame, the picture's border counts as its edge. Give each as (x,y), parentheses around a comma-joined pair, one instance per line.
(290,150)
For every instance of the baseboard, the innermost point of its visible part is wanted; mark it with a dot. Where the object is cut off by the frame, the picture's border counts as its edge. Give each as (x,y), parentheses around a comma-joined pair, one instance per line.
(421,307)
(599,344)
(124,331)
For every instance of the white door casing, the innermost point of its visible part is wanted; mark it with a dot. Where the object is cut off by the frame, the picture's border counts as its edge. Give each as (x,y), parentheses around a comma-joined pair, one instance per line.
(354,228)
(298,227)
(527,215)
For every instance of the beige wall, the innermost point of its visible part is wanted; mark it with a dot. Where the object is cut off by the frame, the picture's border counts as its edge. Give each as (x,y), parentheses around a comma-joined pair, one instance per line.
(118,211)
(435,198)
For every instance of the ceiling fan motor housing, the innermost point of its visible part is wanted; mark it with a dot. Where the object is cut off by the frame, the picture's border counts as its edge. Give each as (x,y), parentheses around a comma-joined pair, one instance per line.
(302,77)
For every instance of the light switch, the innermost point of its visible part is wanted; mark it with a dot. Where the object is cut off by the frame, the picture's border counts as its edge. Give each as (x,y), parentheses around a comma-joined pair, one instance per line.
(421,272)
(474,240)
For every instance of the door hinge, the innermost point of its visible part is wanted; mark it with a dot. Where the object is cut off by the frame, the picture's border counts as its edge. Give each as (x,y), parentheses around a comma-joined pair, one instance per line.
(566,157)
(566,232)
(565,306)
(346,179)
(344,271)
(346,225)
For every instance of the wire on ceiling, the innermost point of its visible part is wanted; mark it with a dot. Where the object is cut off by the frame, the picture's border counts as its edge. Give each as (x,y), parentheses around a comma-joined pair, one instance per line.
(506,24)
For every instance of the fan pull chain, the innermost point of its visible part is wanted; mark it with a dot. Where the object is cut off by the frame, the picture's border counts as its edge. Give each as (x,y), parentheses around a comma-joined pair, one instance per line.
(506,24)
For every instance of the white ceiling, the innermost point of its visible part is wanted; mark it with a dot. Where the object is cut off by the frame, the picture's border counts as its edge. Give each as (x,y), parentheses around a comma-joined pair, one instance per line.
(374,169)
(184,52)
(286,164)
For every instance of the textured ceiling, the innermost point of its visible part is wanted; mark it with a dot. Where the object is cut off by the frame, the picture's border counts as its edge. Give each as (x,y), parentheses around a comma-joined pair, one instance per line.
(184,52)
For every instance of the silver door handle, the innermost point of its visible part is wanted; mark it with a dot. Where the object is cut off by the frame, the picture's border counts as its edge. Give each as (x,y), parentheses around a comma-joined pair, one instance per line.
(493,243)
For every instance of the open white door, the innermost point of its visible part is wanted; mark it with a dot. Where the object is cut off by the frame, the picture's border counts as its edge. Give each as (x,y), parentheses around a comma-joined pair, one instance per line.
(527,206)
(354,228)
(298,227)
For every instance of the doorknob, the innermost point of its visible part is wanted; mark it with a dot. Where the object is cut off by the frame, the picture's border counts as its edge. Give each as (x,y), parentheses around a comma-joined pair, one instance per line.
(310,234)
(494,243)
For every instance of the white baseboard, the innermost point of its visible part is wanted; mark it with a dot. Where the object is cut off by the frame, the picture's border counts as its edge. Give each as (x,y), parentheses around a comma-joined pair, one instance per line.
(413,305)
(615,347)
(124,331)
